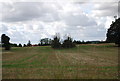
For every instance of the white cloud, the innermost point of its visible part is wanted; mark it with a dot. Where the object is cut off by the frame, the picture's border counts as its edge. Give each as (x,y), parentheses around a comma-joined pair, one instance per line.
(109,21)
(105,9)
(3,28)
(33,21)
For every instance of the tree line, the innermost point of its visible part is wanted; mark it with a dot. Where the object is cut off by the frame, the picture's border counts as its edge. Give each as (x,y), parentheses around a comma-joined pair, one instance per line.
(113,36)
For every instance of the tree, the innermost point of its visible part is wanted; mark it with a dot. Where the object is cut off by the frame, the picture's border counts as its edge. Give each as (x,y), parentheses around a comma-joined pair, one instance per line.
(45,41)
(68,43)
(13,45)
(20,45)
(29,43)
(24,45)
(5,41)
(113,33)
(56,42)
(39,44)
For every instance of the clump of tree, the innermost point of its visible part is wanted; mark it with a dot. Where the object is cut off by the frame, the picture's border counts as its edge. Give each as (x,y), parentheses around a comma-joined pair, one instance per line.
(13,45)
(5,42)
(45,42)
(56,42)
(67,43)
(29,43)
(113,33)
(20,45)
(24,45)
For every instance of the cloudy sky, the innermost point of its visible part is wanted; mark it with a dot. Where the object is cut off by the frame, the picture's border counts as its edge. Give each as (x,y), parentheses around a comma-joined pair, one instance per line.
(88,20)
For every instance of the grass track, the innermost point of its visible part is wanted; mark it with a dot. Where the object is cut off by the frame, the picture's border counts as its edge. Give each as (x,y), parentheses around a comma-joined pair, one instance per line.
(84,61)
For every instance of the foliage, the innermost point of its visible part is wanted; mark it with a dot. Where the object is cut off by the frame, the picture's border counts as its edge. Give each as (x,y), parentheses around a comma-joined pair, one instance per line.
(24,45)
(13,45)
(29,43)
(89,42)
(68,43)
(20,45)
(113,33)
(5,41)
(45,42)
(56,42)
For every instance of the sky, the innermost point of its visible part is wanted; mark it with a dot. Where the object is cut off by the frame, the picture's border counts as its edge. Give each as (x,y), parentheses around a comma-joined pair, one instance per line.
(82,20)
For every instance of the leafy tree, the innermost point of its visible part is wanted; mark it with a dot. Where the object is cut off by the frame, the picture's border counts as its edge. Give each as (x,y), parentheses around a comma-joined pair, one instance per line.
(113,33)
(24,45)
(45,41)
(56,42)
(20,45)
(5,41)
(29,43)
(39,44)
(68,43)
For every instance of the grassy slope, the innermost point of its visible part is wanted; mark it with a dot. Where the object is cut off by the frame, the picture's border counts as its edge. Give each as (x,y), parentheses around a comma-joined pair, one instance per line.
(84,61)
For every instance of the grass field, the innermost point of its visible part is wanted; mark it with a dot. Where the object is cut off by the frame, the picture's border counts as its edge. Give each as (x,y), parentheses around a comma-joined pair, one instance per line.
(97,61)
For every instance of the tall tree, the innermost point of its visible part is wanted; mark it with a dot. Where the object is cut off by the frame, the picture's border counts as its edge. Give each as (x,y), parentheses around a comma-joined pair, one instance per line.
(5,41)
(45,41)
(24,45)
(29,43)
(113,33)
(56,42)
(68,43)
(20,45)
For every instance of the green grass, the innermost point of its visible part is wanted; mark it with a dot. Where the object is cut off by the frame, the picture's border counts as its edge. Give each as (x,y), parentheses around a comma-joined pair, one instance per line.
(94,61)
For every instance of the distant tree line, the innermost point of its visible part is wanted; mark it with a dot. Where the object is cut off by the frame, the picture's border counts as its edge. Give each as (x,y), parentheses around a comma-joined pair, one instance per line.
(89,42)
(43,42)
(55,43)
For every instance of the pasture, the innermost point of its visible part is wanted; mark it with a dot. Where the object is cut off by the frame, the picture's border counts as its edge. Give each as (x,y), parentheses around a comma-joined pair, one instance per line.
(93,61)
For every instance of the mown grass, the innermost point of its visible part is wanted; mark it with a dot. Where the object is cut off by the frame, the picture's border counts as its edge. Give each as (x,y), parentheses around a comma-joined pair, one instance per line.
(94,61)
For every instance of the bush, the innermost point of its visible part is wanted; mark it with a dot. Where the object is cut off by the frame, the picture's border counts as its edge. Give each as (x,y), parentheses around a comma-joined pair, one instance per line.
(56,42)
(20,45)
(68,43)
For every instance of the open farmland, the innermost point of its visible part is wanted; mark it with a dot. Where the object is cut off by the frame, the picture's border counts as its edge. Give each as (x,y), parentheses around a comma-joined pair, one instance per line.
(97,61)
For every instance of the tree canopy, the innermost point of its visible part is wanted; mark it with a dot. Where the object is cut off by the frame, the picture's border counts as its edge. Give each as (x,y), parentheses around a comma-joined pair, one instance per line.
(113,33)
(20,45)
(68,43)
(56,42)
(5,41)
(29,43)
